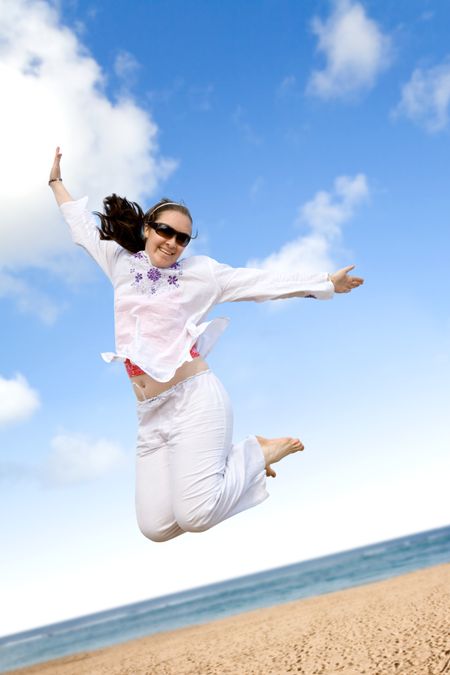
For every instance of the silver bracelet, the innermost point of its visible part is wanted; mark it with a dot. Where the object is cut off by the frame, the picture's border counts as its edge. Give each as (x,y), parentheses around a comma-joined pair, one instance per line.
(52,180)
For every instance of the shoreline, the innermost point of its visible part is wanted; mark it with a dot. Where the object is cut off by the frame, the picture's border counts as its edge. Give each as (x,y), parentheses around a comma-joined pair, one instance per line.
(397,626)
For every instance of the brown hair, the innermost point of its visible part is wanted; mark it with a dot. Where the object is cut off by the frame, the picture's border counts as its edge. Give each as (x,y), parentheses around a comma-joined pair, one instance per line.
(123,221)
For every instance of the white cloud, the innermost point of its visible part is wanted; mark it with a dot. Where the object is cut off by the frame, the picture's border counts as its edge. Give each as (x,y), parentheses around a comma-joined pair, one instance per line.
(324,216)
(18,400)
(426,97)
(56,96)
(76,459)
(28,298)
(126,65)
(355,50)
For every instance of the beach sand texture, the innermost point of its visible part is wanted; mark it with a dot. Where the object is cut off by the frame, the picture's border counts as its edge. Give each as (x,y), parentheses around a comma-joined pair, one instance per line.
(400,626)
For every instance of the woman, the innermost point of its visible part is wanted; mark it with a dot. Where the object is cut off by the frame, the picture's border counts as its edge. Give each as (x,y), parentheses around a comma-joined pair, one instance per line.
(189,474)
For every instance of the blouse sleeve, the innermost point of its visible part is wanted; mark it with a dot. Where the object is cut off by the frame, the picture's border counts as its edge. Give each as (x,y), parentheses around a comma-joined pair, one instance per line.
(85,233)
(245,283)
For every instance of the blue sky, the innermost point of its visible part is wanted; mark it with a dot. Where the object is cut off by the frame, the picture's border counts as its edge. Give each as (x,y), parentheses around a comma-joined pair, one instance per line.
(311,135)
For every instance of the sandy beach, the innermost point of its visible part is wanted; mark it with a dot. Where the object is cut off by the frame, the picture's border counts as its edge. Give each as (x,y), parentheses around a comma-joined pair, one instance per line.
(398,626)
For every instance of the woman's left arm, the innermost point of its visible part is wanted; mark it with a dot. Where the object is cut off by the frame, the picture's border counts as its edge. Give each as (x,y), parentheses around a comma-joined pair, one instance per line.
(236,284)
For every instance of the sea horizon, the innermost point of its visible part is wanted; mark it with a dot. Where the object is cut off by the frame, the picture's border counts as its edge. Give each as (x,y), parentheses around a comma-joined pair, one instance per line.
(201,604)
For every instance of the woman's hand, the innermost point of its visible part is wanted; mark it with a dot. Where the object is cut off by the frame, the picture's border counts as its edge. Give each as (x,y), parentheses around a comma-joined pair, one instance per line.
(55,171)
(344,283)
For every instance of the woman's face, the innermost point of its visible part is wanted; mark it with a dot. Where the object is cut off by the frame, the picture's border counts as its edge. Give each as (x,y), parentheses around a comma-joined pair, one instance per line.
(165,252)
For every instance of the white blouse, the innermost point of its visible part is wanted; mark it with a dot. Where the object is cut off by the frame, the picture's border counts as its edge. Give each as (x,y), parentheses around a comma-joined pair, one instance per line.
(160,312)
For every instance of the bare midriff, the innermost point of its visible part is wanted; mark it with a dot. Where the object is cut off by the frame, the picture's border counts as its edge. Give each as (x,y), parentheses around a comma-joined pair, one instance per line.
(145,386)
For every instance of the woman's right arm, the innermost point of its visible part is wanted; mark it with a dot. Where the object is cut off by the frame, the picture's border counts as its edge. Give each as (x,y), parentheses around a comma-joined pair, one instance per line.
(82,223)
(55,181)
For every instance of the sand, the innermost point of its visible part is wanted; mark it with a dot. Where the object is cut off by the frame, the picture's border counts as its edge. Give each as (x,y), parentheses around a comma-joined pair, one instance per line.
(397,626)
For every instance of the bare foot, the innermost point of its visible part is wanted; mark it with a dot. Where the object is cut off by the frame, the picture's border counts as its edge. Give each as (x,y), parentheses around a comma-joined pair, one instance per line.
(274,449)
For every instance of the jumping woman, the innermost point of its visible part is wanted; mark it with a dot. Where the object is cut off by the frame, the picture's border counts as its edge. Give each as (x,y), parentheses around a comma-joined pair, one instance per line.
(189,474)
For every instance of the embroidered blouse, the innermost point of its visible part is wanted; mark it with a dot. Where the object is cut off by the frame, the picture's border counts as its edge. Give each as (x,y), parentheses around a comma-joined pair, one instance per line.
(160,313)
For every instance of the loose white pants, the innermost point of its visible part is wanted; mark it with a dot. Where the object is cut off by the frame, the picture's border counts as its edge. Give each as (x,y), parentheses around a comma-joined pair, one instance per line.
(189,475)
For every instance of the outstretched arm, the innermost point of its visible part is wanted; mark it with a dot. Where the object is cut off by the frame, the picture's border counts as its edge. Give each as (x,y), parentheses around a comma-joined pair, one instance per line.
(243,283)
(235,284)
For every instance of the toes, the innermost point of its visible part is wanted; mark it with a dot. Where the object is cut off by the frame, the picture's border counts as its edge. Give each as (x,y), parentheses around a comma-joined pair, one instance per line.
(270,473)
(296,443)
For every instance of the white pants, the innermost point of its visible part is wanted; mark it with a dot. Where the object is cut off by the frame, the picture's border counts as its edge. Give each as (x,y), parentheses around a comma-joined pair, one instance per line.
(189,475)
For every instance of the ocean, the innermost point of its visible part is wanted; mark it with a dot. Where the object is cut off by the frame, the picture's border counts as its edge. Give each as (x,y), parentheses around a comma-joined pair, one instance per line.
(202,604)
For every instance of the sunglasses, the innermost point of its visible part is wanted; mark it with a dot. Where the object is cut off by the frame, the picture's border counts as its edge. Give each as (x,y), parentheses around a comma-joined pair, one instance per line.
(167,232)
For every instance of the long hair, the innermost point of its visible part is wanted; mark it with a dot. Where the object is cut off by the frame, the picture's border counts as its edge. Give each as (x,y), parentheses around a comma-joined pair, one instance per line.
(124,221)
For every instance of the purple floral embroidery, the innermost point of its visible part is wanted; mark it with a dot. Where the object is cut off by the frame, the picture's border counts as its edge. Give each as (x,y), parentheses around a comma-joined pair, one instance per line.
(151,280)
(154,274)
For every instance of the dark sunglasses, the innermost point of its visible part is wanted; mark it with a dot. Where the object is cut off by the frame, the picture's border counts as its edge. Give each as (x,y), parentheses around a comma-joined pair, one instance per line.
(167,232)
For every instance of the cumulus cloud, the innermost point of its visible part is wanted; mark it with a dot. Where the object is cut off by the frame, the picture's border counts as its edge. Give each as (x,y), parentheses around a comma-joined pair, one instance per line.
(324,215)
(425,98)
(56,96)
(18,400)
(75,458)
(355,50)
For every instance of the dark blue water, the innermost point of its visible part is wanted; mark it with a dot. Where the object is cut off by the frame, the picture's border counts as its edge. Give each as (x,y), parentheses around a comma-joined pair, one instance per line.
(199,605)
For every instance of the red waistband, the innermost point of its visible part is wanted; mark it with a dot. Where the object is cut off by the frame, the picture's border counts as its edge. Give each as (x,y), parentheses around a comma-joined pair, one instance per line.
(133,370)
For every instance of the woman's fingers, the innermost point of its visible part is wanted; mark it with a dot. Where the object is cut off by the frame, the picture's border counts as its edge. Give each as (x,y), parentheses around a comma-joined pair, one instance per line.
(343,283)
(345,270)
(342,273)
(55,171)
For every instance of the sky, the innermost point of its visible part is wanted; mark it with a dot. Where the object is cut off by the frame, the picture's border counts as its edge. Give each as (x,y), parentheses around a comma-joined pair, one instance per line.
(302,135)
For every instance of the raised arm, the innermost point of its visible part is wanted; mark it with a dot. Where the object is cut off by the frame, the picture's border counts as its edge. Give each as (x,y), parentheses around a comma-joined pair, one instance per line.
(55,180)
(82,224)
